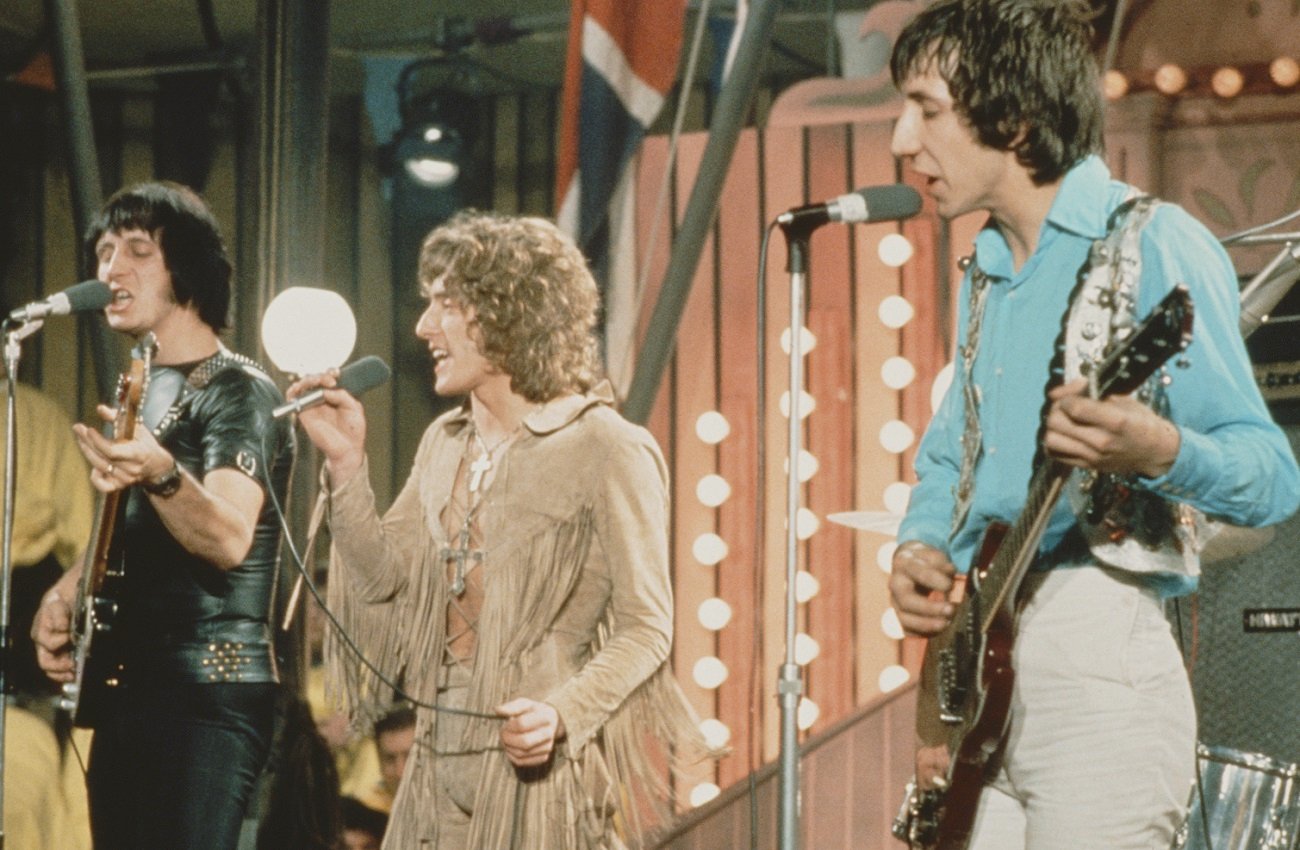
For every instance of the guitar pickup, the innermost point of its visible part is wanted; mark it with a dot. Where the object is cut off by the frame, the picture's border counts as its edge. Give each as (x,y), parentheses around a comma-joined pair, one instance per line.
(104,612)
(952,694)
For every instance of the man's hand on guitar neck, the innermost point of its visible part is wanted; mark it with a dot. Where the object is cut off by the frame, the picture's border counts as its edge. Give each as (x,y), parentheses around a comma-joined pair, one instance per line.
(920,582)
(1114,434)
(52,628)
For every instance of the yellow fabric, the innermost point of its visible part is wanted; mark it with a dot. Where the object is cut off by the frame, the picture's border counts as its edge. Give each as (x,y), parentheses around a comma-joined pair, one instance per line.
(577,612)
(357,761)
(53,502)
(38,813)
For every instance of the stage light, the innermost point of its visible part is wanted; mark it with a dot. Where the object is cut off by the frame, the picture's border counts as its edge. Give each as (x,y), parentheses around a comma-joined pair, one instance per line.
(306,330)
(808,466)
(894,250)
(1227,82)
(703,793)
(896,436)
(709,549)
(1170,79)
(716,733)
(712,490)
(892,678)
(897,496)
(896,311)
(806,648)
(807,340)
(897,372)
(806,586)
(430,154)
(807,713)
(714,614)
(710,672)
(1114,84)
(1284,71)
(712,427)
(885,556)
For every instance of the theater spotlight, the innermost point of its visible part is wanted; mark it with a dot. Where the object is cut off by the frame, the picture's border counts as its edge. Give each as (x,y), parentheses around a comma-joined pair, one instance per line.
(430,153)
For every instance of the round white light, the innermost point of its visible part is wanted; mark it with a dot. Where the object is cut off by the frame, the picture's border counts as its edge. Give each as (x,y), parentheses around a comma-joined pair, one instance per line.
(897,372)
(703,793)
(710,672)
(897,496)
(808,466)
(885,556)
(709,549)
(894,250)
(807,404)
(893,677)
(895,311)
(716,733)
(1284,71)
(1114,85)
(1170,79)
(712,490)
(890,624)
(712,427)
(806,648)
(1227,82)
(806,586)
(896,436)
(806,524)
(434,173)
(307,330)
(807,341)
(807,713)
(939,388)
(714,613)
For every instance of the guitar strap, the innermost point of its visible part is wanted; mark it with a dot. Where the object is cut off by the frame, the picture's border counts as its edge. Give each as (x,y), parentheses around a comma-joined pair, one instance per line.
(181,388)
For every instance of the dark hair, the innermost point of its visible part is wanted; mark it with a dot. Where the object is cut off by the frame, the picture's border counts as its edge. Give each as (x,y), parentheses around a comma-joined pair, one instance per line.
(398,717)
(534,298)
(188,235)
(1021,72)
(357,815)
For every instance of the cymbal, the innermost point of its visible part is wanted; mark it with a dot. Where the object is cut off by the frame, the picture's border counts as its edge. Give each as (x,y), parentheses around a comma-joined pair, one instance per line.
(884,522)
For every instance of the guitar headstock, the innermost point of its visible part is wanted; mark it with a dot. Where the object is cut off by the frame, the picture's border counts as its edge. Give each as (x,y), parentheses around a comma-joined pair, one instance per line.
(131,387)
(1161,335)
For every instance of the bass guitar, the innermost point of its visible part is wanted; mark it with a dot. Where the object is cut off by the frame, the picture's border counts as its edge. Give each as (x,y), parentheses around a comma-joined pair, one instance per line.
(96,666)
(966,678)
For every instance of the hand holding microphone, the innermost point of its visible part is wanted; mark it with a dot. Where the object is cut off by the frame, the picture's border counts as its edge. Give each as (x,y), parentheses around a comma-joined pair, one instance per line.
(331,416)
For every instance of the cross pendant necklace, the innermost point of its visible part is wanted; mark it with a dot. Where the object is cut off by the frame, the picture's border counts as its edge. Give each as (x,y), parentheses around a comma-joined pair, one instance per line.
(477,469)
(461,555)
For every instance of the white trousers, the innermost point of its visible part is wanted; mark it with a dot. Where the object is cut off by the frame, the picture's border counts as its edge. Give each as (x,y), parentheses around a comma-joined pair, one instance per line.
(1101,749)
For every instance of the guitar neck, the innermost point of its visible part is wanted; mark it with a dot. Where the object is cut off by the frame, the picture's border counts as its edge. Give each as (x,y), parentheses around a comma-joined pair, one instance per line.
(1002,578)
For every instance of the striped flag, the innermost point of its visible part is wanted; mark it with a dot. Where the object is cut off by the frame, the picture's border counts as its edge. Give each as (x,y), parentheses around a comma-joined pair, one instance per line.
(622,61)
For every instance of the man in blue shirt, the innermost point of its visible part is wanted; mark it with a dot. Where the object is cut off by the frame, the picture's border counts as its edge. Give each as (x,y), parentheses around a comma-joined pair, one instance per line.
(1003,113)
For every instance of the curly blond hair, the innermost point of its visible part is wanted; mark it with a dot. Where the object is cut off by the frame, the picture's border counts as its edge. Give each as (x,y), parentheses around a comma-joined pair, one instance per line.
(534,298)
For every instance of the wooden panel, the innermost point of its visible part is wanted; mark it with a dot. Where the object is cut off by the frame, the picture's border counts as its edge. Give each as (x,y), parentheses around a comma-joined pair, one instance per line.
(830,433)
(877,404)
(740,581)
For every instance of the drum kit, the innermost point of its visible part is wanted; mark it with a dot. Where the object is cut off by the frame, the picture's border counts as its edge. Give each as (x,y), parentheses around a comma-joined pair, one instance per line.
(1242,801)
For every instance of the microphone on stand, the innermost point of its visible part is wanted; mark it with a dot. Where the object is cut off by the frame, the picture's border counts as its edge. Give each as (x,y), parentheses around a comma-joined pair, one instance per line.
(1265,289)
(874,203)
(79,298)
(365,374)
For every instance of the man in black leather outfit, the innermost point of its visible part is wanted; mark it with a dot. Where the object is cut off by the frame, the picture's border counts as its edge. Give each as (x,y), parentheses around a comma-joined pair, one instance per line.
(180,742)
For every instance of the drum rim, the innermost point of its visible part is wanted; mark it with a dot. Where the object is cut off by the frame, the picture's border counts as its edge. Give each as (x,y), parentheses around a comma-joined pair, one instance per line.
(1242,758)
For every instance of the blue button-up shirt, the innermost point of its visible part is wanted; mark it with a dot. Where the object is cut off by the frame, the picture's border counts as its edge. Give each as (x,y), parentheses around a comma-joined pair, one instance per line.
(1233,463)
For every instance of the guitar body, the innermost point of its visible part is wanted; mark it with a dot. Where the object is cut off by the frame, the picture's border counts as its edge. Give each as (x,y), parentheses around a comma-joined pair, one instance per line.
(97,665)
(964,702)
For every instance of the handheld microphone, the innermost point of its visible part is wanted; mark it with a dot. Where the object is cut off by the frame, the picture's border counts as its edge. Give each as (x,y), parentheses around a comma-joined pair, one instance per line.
(874,203)
(79,298)
(365,374)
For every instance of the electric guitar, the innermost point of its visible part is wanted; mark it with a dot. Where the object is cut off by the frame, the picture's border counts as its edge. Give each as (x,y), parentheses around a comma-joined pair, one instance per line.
(97,667)
(966,678)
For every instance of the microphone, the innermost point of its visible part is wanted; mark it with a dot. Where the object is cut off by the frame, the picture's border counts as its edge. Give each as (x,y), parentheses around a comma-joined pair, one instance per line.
(79,298)
(365,374)
(874,203)
(1267,288)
